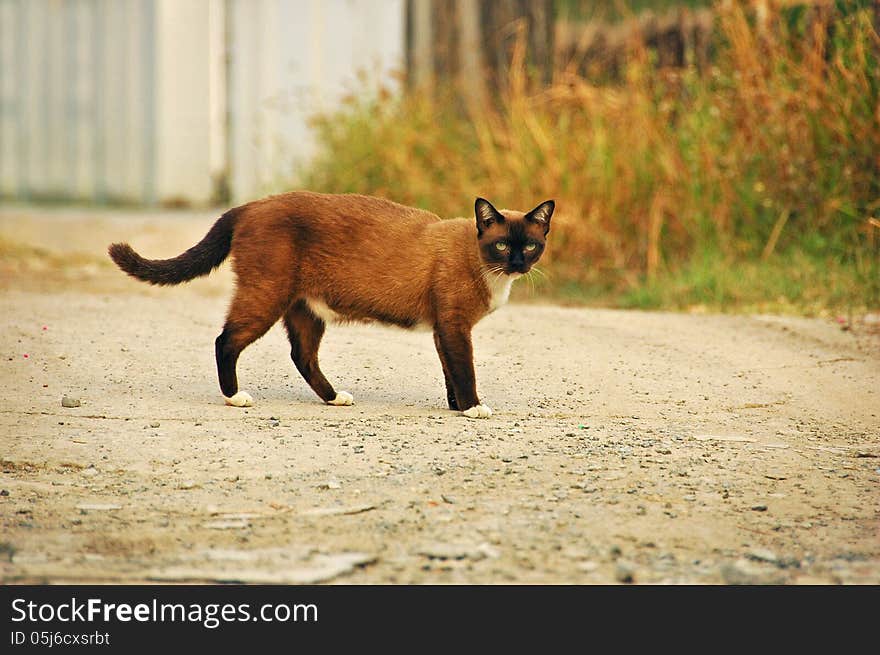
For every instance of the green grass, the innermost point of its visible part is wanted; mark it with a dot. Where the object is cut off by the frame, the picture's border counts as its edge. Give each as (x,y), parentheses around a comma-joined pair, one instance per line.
(791,283)
(794,283)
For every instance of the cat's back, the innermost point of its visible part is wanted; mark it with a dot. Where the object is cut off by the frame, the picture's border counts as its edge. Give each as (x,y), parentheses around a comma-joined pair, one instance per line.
(350,212)
(334,239)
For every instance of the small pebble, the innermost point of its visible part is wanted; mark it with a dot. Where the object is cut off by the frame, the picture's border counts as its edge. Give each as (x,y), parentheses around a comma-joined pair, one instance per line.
(154,424)
(762,555)
(759,508)
(624,573)
(67,401)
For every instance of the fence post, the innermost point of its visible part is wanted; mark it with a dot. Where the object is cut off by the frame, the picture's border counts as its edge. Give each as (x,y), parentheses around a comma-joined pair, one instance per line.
(420,55)
(473,37)
(470,55)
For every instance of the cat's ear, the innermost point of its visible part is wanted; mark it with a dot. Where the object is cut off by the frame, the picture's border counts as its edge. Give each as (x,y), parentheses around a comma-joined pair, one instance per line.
(486,215)
(541,214)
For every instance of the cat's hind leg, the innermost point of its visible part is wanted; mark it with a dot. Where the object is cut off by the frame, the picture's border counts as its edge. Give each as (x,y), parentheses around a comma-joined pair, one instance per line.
(305,330)
(252,313)
(227,358)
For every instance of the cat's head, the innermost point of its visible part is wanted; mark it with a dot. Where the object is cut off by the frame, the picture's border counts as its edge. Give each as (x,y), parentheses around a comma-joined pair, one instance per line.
(511,241)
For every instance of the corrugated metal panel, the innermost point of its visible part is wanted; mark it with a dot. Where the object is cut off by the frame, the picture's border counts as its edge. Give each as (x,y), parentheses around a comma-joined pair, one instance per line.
(9,100)
(123,100)
(289,60)
(77,92)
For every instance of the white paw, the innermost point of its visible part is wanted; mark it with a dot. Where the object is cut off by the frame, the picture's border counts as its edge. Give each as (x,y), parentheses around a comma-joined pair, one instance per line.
(342,398)
(241,399)
(478,411)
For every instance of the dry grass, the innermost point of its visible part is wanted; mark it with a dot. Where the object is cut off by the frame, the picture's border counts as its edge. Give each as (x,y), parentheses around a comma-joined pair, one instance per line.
(772,160)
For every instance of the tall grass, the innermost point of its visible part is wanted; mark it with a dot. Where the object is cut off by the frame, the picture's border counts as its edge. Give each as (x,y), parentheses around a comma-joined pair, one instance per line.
(770,161)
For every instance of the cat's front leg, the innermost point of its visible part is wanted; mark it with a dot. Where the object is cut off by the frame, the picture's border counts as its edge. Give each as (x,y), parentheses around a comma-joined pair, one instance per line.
(457,356)
(447,378)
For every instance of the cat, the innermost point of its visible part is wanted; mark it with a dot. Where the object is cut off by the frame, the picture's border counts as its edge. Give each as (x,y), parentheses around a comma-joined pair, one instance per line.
(310,258)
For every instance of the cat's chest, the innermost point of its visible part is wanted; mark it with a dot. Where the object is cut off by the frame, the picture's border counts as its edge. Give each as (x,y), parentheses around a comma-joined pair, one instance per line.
(499,290)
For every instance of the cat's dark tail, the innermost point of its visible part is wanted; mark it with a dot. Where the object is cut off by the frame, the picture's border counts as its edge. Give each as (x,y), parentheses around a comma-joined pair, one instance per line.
(199,260)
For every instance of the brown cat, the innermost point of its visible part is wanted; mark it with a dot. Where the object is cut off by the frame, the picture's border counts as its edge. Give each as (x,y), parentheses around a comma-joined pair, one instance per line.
(309,258)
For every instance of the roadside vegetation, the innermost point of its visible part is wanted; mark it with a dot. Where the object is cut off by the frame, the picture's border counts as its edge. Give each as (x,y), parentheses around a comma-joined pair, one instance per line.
(751,185)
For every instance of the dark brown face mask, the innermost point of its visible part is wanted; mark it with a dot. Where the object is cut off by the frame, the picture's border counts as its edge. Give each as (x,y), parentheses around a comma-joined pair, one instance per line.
(511,242)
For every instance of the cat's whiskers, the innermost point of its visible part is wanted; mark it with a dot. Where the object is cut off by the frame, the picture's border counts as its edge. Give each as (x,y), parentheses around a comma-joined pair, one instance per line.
(540,272)
(533,280)
(497,270)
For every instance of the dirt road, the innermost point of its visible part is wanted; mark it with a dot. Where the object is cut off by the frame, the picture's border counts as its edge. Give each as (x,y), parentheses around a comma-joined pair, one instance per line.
(625,446)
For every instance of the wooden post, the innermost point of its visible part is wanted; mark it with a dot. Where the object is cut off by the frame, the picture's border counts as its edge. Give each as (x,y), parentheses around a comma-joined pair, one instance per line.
(470,54)
(470,38)
(877,16)
(541,30)
(499,21)
(421,58)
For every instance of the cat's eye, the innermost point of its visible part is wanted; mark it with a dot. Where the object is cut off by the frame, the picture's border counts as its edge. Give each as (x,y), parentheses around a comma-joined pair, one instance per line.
(530,247)
(500,245)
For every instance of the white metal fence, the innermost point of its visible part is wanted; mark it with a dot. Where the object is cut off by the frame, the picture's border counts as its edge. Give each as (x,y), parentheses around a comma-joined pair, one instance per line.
(165,101)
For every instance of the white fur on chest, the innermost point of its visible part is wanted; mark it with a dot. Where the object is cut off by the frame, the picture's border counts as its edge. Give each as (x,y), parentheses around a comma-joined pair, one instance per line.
(499,290)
